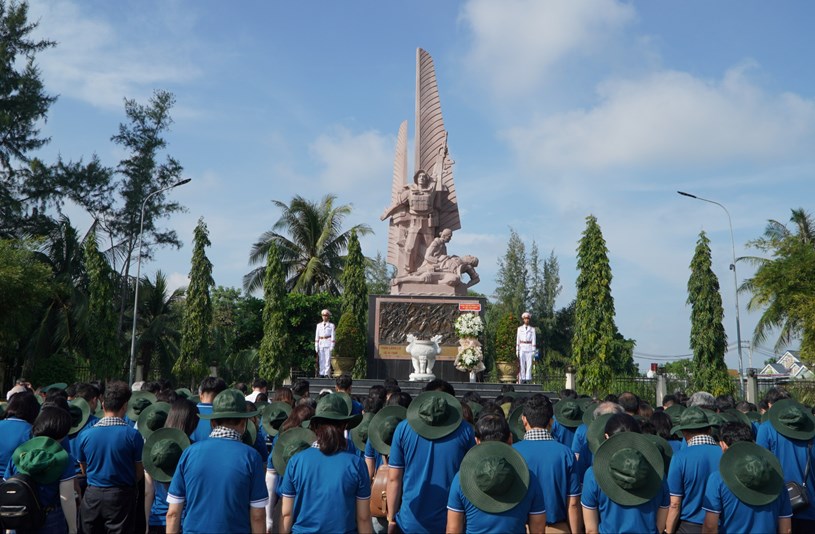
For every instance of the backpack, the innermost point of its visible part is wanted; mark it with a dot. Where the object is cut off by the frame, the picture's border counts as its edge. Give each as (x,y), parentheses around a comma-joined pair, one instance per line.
(20,504)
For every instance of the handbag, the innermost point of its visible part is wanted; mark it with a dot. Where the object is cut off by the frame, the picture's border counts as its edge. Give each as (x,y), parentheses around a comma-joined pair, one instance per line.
(379,496)
(798,492)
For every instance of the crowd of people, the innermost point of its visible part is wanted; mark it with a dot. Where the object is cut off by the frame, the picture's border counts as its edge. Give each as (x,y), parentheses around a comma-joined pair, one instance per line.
(105,457)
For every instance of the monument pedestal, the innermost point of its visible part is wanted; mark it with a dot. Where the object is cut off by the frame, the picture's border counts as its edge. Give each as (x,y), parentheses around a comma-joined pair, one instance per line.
(392,317)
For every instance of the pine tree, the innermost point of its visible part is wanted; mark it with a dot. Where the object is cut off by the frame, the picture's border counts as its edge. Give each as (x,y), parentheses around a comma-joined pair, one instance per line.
(272,355)
(708,339)
(195,327)
(355,296)
(598,349)
(511,288)
(103,354)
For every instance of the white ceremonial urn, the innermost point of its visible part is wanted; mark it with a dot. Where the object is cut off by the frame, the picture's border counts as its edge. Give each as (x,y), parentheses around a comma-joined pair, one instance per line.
(423,354)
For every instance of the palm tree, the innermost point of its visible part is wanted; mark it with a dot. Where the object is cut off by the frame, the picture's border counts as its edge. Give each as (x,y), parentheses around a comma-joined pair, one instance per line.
(159,324)
(313,254)
(784,283)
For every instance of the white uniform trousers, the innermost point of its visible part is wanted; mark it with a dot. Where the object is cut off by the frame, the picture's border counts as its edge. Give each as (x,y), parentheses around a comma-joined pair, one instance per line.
(325,361)
(526,364)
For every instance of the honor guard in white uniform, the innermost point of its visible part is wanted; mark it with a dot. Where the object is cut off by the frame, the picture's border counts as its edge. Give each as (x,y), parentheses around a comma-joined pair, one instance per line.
(525,347)
(324,343)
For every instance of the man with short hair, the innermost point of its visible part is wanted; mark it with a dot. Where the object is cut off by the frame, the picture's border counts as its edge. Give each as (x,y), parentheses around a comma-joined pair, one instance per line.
(343,385)
(630,403)
(300,388)
(324,343)
(553,465)
(110,455)
(525,347)
(220,481)
(210,387)
(704,400)
(259,386)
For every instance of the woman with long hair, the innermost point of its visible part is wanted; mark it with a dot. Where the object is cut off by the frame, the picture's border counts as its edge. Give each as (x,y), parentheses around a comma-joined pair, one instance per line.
(327,473)
(15,428)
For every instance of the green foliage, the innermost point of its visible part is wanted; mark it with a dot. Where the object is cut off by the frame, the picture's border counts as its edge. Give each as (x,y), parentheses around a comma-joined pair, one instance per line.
(680,370)
(237,330)
(511,285)
(378,275)
(355,297)
(195,356)
(159,325)
(55,368)
(104,354)
(708,339)
(273,356)
(349,338)
(599,351)
(312,254)
(505,334)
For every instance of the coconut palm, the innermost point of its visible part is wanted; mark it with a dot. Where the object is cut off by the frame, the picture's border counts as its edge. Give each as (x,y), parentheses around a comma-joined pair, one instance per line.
(159,324)
(313,251)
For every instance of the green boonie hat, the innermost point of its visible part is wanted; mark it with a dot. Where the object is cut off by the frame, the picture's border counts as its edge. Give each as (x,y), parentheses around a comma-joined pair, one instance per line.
(674,411)
(162,450)
(494,477)
(476,408)
(752,473)
(382,427)
(691,419)
(359,434)
(152,418)
(733,415)
(250,435)
(274,415)
(184,392)
(58,385)
(596,432)
(137,404)
(149,395)
(568,413)
(42,458)
(288,444)
(347,398)
(434,414)
(754,417)
(100,411)
(228,404)
(334,409)
(792,420)
(588,412)
(629,468)
(80,413)
(516,424)
(664,447)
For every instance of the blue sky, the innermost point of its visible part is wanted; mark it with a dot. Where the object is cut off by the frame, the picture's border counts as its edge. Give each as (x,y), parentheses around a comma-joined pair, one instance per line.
(555,110)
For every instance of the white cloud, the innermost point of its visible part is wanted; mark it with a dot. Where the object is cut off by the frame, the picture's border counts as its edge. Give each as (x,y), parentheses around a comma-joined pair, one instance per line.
(177,280)
(670,118)
(96,63)
(517,43)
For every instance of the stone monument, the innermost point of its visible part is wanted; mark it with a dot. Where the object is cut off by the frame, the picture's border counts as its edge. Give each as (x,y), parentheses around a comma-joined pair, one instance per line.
(429,290)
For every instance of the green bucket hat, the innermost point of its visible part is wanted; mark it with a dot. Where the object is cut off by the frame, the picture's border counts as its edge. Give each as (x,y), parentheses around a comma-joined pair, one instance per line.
(229,404)
(476,408)
(596,432)
(139,400)
(792,420)
(629,468)
(516,424)
(382,427)
(347,398)
(334,409)
(250,435)
(434,414)
(152,418)
(42,458)
(288,444)
(80,413)
(162,450)
(754,417)
(569,413)
(359,434)
(58,385)
(664,447)
(184,392)
(674,411)
(494,477)
(588,412)
(691,419)
(752,473)
(732,415)
(274,415)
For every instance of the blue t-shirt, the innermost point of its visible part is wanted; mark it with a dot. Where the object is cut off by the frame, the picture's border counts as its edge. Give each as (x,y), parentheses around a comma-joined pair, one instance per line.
(325,489)
(218,480)
(373,454)
(615,518)
(553,465)
(792,453)
(158,511)
(269,465)
(48,493)
(73,441)
(676,444)
(110,454)
(736,516)
(580,447)
(429,467)
(478,521)
(356,407)
(204,428)
(13,433)
(687,476)
(260,444)
(562,434)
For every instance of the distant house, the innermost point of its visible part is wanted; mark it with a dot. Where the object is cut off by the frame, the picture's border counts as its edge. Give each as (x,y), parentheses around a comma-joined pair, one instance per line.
(789,365)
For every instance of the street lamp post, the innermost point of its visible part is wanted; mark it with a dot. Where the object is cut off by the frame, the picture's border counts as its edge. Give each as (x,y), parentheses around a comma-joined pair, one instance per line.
(735,283)
(138,276)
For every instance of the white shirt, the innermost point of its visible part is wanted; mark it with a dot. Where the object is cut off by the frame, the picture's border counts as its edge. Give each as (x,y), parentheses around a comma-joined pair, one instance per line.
(324,337)
(525,339)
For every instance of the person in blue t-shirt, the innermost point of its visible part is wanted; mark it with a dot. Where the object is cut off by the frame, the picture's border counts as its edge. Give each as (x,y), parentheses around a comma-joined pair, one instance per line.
(218,483)
(553,465)
(747,493)
(624,490)
(344,384)
(325,488)
(567,417)
(110,455)
(425,455)
(494,490)
(689,471)
(15,427)
(207,391)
